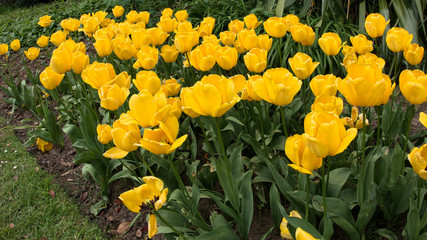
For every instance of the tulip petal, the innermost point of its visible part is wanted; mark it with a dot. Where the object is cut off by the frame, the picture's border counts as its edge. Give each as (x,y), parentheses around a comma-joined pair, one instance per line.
(178,143)
(320,149)
(115,153)
(131,200)
(423,119)
(154,146)
(208,97)
(300,169)
(152,226)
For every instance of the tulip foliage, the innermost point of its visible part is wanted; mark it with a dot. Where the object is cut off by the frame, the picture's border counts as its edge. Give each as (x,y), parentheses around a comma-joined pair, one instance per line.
(261,108)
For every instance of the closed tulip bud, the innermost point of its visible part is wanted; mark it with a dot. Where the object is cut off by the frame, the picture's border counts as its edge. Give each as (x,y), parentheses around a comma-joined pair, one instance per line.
(123,48)
(330,43)
(202,57)
(147,80)
(206,26)
(112,96)
(303,34)
(413,54)
(329,104)
(169,53)
(181,15)
(104,133)
(61,60)
(375,25)
(103,46)
(158,36)
(147,58)
(171,86)
(90,26)
(418,159)
(248,92)
(227,37)
(3,49)
(413,85)
(123,80)
(275,27)
(168,25)
(50,79)
(251,21)
(80,61)
(325,134)
(15,45)
(324,85)
(32,53)
(98,74)
(185,41)
(256,60)
(247,39)
(398,39)
(277,86)
(284,231)
(302,65)
(68,44)
(226,57)
(264,42)
(58,37)
(361,44)
(118,11)
(302,158)
(236,26)
(140,37)
(212,96)
(185,26)
(290,20)
(45,21)
(365,85)
(43,41)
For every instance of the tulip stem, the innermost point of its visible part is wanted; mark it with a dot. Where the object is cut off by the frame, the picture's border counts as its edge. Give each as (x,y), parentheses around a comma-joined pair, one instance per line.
(167,224)
(362,171)
(408,127)
(307,184)
(419,194)
(324,196)
(280,52)
(178,178)
(144,162)
(262,133)
(331,66)
(283,121)
(379,115)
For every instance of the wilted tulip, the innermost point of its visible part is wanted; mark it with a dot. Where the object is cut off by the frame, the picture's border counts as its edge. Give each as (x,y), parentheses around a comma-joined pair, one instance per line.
(398,39)
(103,46)
(50,79)
(413,85)
(302,65)
(329,104)
(277,86)
(227,37)
(181,15)
(302,158)
(265,42)
(303,34)
(158,36)
(169,53)
(98,74)
(275,27)
(45,21)
(413,54)
(375,25)
(418,159)
(104,133)
(356,120)
(43,41)
(251,21)
(330,43)
(256,60)
(290,20)
(226,57)
(15,45)
(147,58)
(43,145)
(62,60)
(147,80)
(32,53)
(112,96)
(118,11)
(3,49)
(324,85)
(202,57)
(58,37)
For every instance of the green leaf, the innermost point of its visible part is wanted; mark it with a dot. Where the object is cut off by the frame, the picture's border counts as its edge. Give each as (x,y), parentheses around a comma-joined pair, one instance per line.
(175,219)
(386,233)
(97,207)
(220,233)
(121,174)
(337,178)
(274,205)
(247,203)
(298,222)
(85,157)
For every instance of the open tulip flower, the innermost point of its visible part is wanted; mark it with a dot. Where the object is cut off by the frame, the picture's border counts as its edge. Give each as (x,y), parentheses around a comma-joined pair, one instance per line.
(98,74)
(140,37)
(226,57)
(158,36)
(303,34)
(212,96)
(32,53)
(413,85)
(361,44)
(302,65)
(50,79)
(90,25)
(324,85)
(398,39)
(275,27)
(202,57)
(302,158)
(147,58)
(123,47)
(277,86)
(375,25)
(325,134)
(227,37)
(236,26)
(418,159)
(356,120)
(369,58)
(329,104)
(256,60)
(284,231)
(112,96)
(171,86)
(45,21)
(413,54)
(330,43)
(79,62)
(247,39)
(185,41)
(147,80)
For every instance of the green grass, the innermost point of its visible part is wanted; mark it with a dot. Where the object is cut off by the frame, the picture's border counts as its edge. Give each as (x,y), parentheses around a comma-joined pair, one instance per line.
(26,203)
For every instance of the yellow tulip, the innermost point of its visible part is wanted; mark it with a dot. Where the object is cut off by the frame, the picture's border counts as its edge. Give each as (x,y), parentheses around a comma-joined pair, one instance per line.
(181,15)
(350,56)
(329,104)
(3,49)
(108,32)
(123,29)
(147,80)
(303,159)
(413,54)
(123,48)
(185,41)
(303,34)
(134,17)
(300,234)
(80,61)
(50,79)
(70,24)
(239,82)
(330,43)
(369,58)
(158,36)
(112,96)
(43,145)
(236,26)
(167,13)
(147,58)
(302,65)
(356,120)
(104,133)
(152,226)
(361,44)
(418,159)
(169,53)
(58,37)
(324,85)
(248,92)
(185,26)
(103,46)
(171,86)
(163,140)
(45,21)
(212,96)
(290,20)
(100,15)
(275,27)
(375,25)
(251,21)
(32,53)
(277,86)
(90,25)
(43,41)
(247,39)
(325,134)
(118,11)
(413,85)
(126,135)
(15,45)
(123,80)
(156,108)
(256,60)
(98,74)
(202,57)
(423,119)
(284,231)
(168,25)
(61,60)
(398,39)
(140,37)
(227,37)
(226,57)
(264,42)
(206,26)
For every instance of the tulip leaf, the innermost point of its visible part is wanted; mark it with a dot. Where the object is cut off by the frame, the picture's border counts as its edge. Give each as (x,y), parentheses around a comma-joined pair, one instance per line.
(367,209)
(122,174)
(85,157)
(298,222)
(274,205)
(412,228)
(337,178)
(97,207)
(235,159)
(195,194)
(220,233)
(386,233)
(219,201)
(247,204)
(173,218)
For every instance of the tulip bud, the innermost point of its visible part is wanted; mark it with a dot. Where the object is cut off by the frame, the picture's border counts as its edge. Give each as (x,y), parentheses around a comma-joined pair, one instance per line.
(98,74)
(50,79)
(112,96)
(226,57)
(45,21)
(303,34)
(413,85)
(15,45)
(414,54)
(169,53)
(104,133)
(398,39)
(251,21)
(375,25)
(32,53)
(330,43)
(80,61)
(147,58)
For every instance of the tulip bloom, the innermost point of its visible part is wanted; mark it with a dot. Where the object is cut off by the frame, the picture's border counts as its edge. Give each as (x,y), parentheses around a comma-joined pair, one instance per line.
(147,80)
(147,58)
(43,145)
(365,85)
(103,46)
(361,44)
(290,20)
(156,108)
(302,65)
(418,159)
(251,21)
(277,86)
(181,15)
(90,25)
(3,48)
(15,45)
(227,37)
(413,85)
(32,53)
(247,39)
(123,80)
(169,53)
(70,24)
(264,42)
(303,159)
(112,96)
(226,57)
(256,60)
(104,133)
(118,11)
(212,96)
(324,85)
(185,41)
(413,54)
(202,57)
(398,39)
(80,61)
(50,79)
(236,26)
(248,92)
(206,26)
(140,37)
(375,25)
(303,34)
(61,60)
(45,21)
(123,48)
(168,25)
(423,119)
(171,86)
(329,104)
(325,134)
(330,43)
(275,27)
(58,37)
(98,74)
(158,36)
(369,58)
(300,234)
(43,41)
(284,231)
(356,120)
